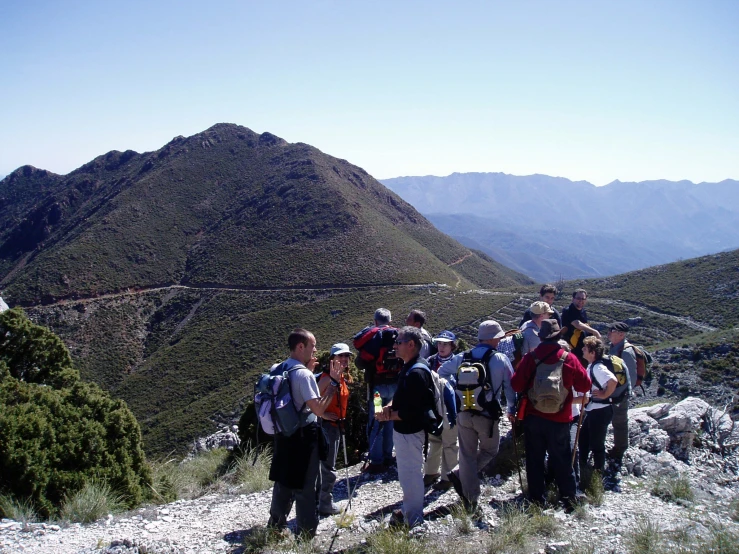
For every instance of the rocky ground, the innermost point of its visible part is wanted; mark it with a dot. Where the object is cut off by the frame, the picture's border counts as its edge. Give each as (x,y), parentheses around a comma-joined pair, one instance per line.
(669,441)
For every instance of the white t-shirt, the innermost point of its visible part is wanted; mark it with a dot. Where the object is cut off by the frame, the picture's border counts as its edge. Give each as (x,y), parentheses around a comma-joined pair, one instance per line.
(603,375)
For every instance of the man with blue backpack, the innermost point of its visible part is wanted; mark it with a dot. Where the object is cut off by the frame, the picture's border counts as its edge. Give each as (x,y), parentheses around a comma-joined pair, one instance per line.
(297,452)
(480,375)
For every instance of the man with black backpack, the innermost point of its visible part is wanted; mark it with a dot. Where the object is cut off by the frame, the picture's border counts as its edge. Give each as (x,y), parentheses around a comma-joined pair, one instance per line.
(546,378)
(480,374)
(296,458)
(413,409)
(381,369)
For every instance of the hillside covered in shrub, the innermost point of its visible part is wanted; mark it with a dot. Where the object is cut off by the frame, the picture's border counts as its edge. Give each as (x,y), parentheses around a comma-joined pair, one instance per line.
(225,208)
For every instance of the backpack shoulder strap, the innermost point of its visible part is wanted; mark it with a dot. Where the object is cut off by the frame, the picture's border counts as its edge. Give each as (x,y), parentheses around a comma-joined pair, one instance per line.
(592,373)
(486,357)
(290,381)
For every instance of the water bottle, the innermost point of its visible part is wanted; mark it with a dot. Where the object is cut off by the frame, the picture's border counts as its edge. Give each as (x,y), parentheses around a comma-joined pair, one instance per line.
(378,402)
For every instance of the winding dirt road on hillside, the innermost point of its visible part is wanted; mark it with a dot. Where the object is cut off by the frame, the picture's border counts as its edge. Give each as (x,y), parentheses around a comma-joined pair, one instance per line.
(687,321)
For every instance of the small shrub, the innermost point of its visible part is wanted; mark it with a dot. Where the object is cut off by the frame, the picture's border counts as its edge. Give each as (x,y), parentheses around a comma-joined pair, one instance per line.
(168,482)
(595,489)
(462,520)
(251,469)
(734,509)
(344,520)
(513,532)
(260,537)
(196,475)
(542,524)
(391,541)
(581,511)
(92,502)
(18,510)
(673,490)
(645,538)
(720,541)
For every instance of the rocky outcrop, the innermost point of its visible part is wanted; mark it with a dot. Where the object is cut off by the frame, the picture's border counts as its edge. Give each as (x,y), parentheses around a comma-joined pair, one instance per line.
(225,438)
(663,438)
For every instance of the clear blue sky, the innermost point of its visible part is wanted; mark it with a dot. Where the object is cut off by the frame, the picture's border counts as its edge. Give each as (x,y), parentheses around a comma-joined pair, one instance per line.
(594,90)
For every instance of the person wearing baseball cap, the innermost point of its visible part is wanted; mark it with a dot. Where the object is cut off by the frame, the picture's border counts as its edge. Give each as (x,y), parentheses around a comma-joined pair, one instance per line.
(478,431)
(443,451)
(339,355)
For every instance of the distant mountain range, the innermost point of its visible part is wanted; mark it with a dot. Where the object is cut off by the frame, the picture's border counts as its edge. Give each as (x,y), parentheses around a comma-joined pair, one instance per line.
(550,227)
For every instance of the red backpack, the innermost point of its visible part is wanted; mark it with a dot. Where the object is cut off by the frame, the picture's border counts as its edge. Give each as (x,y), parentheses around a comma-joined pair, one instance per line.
(376,355)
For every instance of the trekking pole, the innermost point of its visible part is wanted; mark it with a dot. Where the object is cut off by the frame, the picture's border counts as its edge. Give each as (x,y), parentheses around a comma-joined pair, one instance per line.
(579,426)
(515,450)
(346,460)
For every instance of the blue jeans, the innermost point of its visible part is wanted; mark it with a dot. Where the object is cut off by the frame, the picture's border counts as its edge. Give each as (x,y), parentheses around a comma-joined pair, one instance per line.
(380,447)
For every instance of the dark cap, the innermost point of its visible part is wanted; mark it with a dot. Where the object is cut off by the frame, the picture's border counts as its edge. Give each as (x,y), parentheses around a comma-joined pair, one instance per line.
(619,326)
(549,330)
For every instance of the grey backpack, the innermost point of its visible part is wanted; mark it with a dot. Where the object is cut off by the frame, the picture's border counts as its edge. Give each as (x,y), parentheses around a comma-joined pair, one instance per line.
(547,393)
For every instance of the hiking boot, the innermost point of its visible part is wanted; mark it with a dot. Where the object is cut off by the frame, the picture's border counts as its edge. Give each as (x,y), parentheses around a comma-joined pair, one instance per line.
(430,479)
(374,469)
(397,519)
(443,485)
(390,462)
(330,511)
(457,484)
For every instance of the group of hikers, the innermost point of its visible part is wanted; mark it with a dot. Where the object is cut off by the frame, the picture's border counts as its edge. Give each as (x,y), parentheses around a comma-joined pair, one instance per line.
(435,414)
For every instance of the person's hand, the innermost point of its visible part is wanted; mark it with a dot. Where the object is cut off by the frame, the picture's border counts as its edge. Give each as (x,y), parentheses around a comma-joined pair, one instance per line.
(330,416)
(335,370)
(597,334)
(511,418)
(312,363)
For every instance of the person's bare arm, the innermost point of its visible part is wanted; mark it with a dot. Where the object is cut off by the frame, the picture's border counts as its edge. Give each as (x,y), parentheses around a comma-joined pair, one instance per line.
(585,327)
(318,405)
(606,392)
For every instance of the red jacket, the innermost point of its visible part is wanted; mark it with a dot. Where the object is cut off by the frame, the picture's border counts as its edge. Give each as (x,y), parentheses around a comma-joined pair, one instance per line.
(574,376)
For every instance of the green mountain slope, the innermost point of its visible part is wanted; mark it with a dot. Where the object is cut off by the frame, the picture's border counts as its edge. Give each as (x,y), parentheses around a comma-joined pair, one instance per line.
(705,289)
(184,359)
(226,207)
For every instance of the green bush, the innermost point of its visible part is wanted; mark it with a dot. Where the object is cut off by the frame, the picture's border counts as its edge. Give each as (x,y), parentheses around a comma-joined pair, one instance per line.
(251,469)
(57,432)
(18,510)
(90,503)
(673,489)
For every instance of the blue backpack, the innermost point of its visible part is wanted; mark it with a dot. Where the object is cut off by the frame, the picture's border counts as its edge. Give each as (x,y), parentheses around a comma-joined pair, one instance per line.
(273,400)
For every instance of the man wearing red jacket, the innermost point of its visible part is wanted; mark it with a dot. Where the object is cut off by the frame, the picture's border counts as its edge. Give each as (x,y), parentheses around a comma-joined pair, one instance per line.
(547,429)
